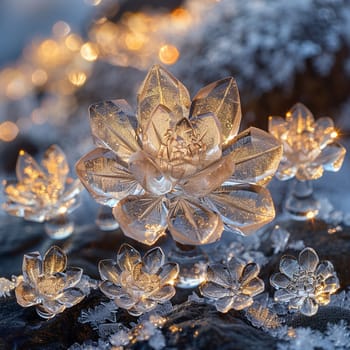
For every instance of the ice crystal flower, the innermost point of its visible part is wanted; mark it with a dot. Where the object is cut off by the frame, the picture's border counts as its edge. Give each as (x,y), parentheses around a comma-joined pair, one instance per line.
(180,166)
(305,283)
(42,193)
(135,284)
(232,286)
(48,283)
(309,146)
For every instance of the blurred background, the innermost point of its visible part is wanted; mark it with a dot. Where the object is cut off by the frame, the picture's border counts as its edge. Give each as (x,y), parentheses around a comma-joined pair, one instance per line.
(60,56)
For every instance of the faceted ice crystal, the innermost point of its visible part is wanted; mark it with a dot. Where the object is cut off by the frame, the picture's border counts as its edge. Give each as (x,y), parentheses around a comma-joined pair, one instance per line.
(138,284)
(309,146)
(48,283)
(232,286)
(183,167)
(305,283)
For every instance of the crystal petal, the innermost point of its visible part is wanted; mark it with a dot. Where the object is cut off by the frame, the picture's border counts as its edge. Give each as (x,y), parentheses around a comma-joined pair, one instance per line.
(277,126)
(324,131)
(289,265)
(309,307)
(148,175)
(153,260)
(142,306)
(143,218)
(283,295)
(241,302)
(109,271)
(213,290)
(113,126)
(325,269)
(308,259)
(192,223)
(300,118)
(25,294)
(27,169)
(110,290)
(52,306)
(222,99)
(161,87)
(168,273)
(124,300)
(71,297)
(219,274)
(163,294)
(309,172)
(257,155)
(51,286)
(128,257)
(18,193)
(209,178)
(332,284)
(73,276)
(295,303)
(105,178)
(243,208)
(323,299)
(254,287)
(31,267)
(235,267)
(55,260)
(56,165)
(250,271)
(224,304)
(72,190)
(279,280)
(286,170)
(331,157)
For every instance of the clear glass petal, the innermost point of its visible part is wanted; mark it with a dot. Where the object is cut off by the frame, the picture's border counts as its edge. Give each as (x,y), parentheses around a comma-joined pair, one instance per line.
(300,118)
(161,87)
(113,126)
(52,306)
(219,274)
(243,208)
(325,269)
(224,304)
(323,299)
(309,307)
(192,223)
(31,267)
(324,131)
(289,265)
(235,267)
(163,294)
(209,178)
(277,126)
(250,271)
(52,285)
(27,169)
(72,190)
(18,193)
(73,276)
(222,99)
(124,300)
(128,257)
(143,218)
(153,260)
(26,295)
(142,306)
(332,284)
(110,290)
(213,290)
(331,157)
(283,295)
(105,178)
(71,297)
(254,287)
(308,259)
(279,280)
(310,171)
(168,273)
(257,155)
(286,170)
(241,302)
(55,260)
(109,271)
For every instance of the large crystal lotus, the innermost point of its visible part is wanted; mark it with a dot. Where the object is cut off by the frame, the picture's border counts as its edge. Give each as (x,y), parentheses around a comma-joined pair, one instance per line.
(309,146)
(180,165)
(306,283)
(48,283)
(135,284)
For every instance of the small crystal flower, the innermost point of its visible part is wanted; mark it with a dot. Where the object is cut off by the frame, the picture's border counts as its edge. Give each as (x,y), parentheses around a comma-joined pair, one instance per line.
(48,283)
(232,286)
(42,193)
(180,166)
(135,284)
(308,145)
(305,283)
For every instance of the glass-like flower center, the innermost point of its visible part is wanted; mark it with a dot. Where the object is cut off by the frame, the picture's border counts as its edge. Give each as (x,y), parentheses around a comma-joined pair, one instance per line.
(50,286)
(305,284)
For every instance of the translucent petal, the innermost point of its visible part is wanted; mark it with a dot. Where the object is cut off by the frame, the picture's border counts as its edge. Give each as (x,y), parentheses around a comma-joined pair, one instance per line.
(161,87)
(283,295)
(235,267)
(241,302)
(113,126)
(243,208)
(128,257)
(71,297)
(148,175)
(52,306)
(109,271)
(143,218)
(224,304)
(299,118)
(332,284)
(323,299)
(73,276)
(250,271)
(27,169)
(254,287)
(257,155)
(26,295)
(110,290)
(153,260)
(18,193)
(192,223)
(31,267)
(219,274)
(310,171)
(55,260)
(124,300)
(277,126)
(308,259)
(72,190)
(105,178)
(51,286)
(331,157)
(142,306)
(279,280)
(168,273)
(213,290)
(289,265)
(286,170)
(324,131)
(163,294)
(209,178)
(309,307)
(325,269)
(222,99)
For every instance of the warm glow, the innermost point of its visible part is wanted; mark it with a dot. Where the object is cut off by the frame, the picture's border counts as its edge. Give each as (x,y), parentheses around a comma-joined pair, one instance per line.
(134,41)
(73,42)
(39,77)
(334,135)
(93,2)
(8,131)
(60,29)
(77,78)
(168,54)
(89,51)
(181,16)
(311,214)
(38,117)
